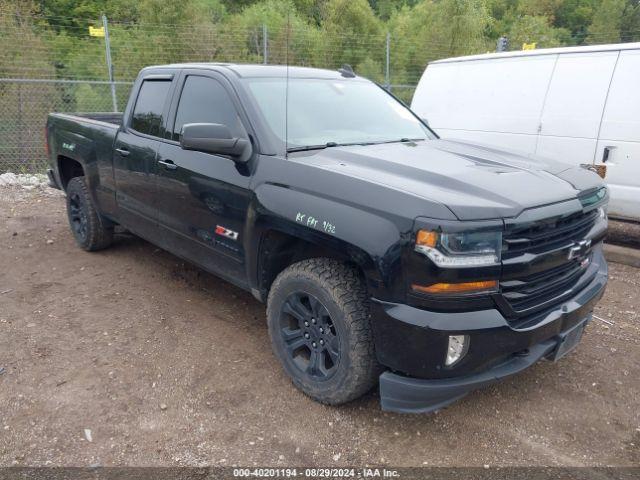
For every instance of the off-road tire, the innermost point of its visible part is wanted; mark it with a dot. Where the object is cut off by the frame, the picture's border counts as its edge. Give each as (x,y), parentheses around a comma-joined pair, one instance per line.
(90,230)
(341,291)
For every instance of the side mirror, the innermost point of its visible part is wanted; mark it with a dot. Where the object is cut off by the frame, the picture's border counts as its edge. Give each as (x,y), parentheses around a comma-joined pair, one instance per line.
(214,138)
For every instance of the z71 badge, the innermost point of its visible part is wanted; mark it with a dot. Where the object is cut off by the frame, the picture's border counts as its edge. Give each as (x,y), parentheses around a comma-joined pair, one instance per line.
(225,232)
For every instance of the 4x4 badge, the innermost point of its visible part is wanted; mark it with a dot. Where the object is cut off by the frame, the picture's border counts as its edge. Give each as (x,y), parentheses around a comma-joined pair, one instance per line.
(579,249)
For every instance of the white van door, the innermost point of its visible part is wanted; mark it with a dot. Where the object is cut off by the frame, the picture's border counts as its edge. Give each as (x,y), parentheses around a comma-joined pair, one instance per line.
(495,101)
(619,143)
(573,107)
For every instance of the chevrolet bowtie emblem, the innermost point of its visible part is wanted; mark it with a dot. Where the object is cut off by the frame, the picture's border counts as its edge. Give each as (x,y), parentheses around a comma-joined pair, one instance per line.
(579,249)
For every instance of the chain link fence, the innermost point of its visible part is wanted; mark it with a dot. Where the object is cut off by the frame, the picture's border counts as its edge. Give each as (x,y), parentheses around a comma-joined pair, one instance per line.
(48,69)
(56,65)
(25,104)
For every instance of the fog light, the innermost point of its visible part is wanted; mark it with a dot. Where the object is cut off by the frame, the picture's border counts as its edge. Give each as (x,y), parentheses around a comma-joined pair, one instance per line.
(458,346)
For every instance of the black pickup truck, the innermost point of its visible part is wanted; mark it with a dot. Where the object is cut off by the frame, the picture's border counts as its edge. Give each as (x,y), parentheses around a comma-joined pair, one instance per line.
(384,254)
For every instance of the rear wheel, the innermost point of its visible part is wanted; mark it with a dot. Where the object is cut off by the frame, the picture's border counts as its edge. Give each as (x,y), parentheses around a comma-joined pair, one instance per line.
(90,230)
(318,317)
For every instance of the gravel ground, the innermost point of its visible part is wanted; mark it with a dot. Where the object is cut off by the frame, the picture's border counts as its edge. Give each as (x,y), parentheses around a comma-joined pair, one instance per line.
(131,357)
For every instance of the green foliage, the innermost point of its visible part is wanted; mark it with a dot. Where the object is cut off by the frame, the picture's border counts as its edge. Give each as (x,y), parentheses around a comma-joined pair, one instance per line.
(49,39)
(576,16)
(351,33)
(370,69)
(461,25)
(324,33)
(607,20)
(630,25)
(530,29)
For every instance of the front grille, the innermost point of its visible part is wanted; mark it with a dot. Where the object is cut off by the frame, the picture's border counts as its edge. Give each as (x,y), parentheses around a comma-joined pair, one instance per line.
(545,235)
(542,290)
(532,294)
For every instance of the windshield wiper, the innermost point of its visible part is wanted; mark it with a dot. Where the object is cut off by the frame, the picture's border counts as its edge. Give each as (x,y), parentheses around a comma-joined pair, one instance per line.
(399,140)
(306,148)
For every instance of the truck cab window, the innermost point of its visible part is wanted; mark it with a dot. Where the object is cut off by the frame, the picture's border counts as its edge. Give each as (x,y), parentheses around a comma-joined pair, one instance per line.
(204,100)
(147,113)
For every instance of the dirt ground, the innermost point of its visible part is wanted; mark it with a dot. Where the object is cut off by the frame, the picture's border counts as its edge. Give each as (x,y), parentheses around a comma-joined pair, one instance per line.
(131,357)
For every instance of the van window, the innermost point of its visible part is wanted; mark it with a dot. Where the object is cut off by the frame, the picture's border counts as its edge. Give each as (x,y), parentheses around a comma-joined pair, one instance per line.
(621,119)
(147,113)
(205,100)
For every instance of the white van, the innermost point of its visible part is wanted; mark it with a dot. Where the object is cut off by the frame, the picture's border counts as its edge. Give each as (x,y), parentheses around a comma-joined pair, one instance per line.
(580,105)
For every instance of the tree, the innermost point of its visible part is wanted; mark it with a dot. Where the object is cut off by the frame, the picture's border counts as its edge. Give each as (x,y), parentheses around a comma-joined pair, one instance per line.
(461,25)
(351,33)
(386,8)
(534,29)
(607,20)
(630,25)
(575,16)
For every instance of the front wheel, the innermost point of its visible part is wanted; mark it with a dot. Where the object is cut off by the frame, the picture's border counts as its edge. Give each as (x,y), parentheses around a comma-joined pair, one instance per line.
(318,318)
(89,229)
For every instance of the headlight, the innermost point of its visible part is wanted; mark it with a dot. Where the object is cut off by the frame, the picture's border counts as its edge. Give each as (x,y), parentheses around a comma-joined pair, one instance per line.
(459,250)
(594,197)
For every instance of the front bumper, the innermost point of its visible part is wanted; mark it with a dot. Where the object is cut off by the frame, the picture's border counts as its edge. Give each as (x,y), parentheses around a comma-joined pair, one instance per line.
(412,343)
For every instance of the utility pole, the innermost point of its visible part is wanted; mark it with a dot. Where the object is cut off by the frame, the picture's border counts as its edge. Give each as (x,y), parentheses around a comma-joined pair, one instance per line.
(109,64)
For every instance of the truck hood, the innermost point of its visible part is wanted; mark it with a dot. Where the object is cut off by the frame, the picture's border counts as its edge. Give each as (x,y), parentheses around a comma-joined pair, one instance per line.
(474,182)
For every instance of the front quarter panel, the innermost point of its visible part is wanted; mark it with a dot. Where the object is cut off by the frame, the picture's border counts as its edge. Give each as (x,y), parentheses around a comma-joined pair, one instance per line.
(369,238)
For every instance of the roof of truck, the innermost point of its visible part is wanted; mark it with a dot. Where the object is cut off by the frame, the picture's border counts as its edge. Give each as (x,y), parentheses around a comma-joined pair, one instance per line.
(256,70)
(542,51)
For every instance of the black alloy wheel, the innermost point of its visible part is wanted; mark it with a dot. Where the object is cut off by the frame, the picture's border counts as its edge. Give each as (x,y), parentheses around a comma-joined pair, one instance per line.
(318,318)
(90,229)
(310,336)
(78,217)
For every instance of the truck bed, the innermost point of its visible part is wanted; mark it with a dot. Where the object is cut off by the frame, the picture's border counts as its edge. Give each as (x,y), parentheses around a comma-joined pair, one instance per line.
(86,139)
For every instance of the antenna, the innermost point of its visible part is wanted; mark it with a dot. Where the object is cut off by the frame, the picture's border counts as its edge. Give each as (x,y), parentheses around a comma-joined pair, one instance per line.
(286,89)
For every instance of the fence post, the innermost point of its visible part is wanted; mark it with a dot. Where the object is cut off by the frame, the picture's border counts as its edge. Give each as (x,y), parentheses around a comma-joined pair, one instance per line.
(387,77)
(109,64)
(21,147)
(265,48)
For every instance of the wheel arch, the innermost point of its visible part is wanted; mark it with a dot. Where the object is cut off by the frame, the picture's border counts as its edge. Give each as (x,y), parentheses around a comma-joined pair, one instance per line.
(279,248)
(294,224)
(69,168)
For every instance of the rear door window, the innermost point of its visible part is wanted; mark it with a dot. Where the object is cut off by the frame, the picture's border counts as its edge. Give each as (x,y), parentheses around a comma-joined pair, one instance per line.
(149,108)
(205,100)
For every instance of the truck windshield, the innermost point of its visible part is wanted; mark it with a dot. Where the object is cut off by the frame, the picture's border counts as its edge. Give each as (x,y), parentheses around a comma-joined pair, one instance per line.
(331,112)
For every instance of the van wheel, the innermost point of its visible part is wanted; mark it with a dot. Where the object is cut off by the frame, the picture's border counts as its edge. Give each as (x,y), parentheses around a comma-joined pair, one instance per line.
(91,231)
(318,316)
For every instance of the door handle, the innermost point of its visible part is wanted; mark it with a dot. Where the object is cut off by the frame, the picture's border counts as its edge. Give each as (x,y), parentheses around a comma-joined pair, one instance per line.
(168,164)
(606,153)
(123,152)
